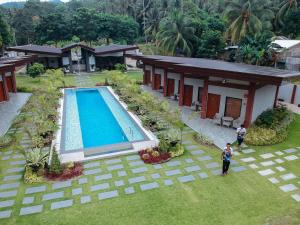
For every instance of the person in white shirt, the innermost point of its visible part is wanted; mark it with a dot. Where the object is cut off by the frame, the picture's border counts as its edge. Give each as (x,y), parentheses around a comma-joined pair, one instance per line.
(241,132)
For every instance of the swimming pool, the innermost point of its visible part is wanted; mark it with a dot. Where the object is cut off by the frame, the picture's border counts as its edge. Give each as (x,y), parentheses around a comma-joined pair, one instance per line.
(94,119)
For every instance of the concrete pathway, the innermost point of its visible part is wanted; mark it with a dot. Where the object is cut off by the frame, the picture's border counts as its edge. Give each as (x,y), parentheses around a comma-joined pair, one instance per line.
(10,109)
(83,80)
(291,107)
(219,135)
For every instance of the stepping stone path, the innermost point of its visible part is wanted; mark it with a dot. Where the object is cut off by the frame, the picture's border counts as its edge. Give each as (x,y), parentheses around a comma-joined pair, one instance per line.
(168,182)
(189,160)
(296,197)
(132,157)
(192,169)
(191,147)
(172,172)
(239,169)
(136,163)
(129,190)
(279,153)
(115,167)
(216,172)
(186,179)
(5,214)
(253,166)
(204,158)
(273,180)
(291,157)
(27,200)
(91,165)
(290,150)
(136,179)
(12,177)
(112,161)
(119,183)
(31,210)
(22,162)
(267,163)
(248,151)
(7,203)
(77,191)
(122,173)
(15,170)
(280,169)
(212,165)
(155,175)
(288,187)
(288,176)
(8,194)
(203,175)
(267,155)
(93,171)
(149,186)
(62,184)
(98,187)
(197,152)
(53,195)
(85,199)
(157,166)
(109,194)
(9,186)
(266,172)
(174,163)
(62,204)
(103,177)
(35,189)
(139,170)
(279,160)
(249,159)
(82,180)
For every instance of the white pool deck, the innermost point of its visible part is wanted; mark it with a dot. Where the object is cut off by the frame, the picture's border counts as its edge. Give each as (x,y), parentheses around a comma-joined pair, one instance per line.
(219,135)
(10,109)
(79,156)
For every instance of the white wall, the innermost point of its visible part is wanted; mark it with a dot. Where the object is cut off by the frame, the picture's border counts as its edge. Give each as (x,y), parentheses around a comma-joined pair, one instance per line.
(297,97)
(196,83)
(229,92)
(285,92)
(149,68)
(8,74)
(263,100)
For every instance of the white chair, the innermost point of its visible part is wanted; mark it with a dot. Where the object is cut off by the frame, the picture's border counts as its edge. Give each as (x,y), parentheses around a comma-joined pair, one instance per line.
(227,123)
(237,123)
(217,119)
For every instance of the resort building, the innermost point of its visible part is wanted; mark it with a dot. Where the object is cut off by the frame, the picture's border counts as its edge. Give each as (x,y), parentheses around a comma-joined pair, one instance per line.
(218,89)
(78,57)
(290,93)
(8,67)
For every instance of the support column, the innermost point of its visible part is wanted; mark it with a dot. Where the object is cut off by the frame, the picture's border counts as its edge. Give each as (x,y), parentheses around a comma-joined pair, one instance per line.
(276,96)
(144,75)
(204,99)
(6,94)
(153,78)
(14,82)
(165,82)
(249,106)
(181,89)
(294,94)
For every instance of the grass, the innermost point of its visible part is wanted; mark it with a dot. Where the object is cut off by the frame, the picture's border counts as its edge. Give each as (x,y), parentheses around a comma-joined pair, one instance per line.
(244,198)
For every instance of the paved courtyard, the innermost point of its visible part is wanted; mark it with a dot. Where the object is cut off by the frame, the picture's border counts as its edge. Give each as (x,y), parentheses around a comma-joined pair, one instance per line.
(10,109)
(128,175)
(204,126)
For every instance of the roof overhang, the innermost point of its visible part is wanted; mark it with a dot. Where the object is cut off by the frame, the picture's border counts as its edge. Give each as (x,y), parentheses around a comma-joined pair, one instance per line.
(115,50)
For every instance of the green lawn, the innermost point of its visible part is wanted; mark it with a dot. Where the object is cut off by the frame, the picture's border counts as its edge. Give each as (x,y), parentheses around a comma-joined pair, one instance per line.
(244,198)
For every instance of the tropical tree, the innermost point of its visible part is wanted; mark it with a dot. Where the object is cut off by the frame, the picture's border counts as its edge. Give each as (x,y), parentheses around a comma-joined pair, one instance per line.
(291,23)
(247,17)
(284,7)
(176,34)
(5,33)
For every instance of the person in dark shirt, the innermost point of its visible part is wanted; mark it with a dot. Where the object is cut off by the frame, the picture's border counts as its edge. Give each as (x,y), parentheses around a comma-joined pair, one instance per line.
(226,157)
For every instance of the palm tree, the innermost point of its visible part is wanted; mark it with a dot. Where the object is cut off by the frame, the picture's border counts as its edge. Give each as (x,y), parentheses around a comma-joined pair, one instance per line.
(247,17)
(176,34)
(284,7)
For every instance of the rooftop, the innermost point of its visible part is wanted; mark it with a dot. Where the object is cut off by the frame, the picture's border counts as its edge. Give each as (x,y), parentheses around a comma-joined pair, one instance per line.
(286,43)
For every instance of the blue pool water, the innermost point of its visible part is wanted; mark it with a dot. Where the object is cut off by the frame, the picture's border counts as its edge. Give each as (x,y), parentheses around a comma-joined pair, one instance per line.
(95,118)
(98,125)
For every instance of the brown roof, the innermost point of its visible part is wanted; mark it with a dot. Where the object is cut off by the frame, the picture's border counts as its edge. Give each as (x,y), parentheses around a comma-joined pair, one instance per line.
(218,65)
(36,49)
(58,51)
(114,48)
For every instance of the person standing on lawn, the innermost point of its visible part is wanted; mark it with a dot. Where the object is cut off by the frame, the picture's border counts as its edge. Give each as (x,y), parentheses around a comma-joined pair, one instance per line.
(226,157)
(241,132)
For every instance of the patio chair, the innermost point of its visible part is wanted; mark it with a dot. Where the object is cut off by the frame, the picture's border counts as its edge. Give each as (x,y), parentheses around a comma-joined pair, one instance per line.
(226,123)
(237,123)
(217,119)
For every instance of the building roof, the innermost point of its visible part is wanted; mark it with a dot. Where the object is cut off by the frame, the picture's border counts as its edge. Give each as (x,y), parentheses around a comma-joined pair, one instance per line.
(114,48)
(286,43)
(9,63)
(36,49)
(58,51)
(205,67)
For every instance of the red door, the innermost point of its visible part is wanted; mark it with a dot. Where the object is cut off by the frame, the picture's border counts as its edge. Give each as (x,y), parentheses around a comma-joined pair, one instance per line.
(157,81)
(171,87)
(2,96)
(188,95)
(213,105)
(9,83)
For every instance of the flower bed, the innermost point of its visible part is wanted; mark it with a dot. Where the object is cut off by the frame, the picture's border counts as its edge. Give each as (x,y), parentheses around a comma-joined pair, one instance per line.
(153,156)
(69,171)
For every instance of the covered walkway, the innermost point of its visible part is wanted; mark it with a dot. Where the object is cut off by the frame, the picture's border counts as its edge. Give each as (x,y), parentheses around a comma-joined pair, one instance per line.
(219,135)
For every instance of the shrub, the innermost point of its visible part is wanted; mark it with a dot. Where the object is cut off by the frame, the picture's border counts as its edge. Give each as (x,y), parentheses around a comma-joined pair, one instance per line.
(154,156)
(120,67)
(176,151)
(31,177)
(69,171)
(55,166)
(36,159)
(202,139)
(35,70)
(261,136)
